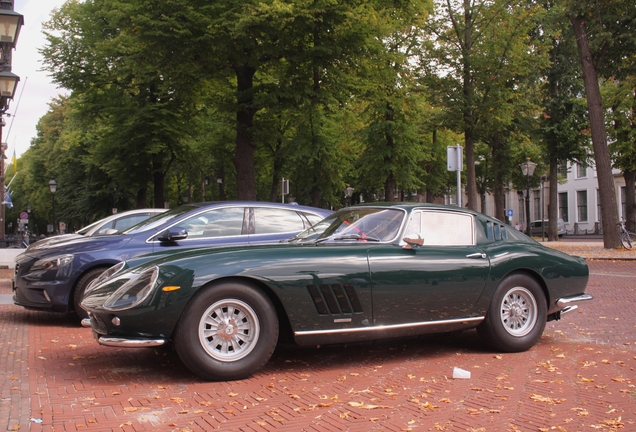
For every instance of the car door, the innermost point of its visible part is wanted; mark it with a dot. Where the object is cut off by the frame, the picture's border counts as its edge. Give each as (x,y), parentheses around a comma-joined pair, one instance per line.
(218,226)
(441,280)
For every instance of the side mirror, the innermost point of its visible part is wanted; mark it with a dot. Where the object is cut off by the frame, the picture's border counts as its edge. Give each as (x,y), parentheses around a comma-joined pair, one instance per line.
(173,234)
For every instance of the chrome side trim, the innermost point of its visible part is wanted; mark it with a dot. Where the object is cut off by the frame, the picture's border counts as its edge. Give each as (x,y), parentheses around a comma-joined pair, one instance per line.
(129,343)
(389,327)
(566,301)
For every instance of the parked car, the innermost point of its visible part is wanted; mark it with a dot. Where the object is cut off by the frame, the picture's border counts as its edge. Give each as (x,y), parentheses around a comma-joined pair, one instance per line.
(113,224)
(537,228)
(376,271)
(55,276)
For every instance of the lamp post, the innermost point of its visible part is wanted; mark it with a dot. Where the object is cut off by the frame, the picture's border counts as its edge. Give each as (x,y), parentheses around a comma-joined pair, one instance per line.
(10,24)
(527,168)
(53,189)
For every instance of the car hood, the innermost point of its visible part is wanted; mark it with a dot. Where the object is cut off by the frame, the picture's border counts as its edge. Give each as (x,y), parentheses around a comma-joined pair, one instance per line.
(78,245)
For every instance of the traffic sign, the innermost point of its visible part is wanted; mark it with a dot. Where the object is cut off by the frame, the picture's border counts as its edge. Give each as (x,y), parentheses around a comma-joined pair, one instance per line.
(509,212)
(24,215)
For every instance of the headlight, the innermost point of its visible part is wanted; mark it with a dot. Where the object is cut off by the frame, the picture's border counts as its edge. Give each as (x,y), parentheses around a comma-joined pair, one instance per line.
(133,292)
(52,263)
(104,276)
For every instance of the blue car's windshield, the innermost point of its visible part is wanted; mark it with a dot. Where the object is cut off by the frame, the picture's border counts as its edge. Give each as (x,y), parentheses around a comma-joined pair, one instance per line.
(160,219)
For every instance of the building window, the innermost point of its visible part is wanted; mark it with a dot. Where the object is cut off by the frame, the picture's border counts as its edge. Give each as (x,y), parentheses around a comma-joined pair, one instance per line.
(563,206)
(599,215)
(537,204)
(581,171)
(581,205)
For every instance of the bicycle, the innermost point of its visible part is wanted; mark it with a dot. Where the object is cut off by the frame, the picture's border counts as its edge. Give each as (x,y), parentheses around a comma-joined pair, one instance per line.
(628,239)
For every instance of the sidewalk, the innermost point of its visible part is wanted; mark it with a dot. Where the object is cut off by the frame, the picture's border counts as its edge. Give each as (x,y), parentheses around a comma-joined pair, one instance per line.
(591,250)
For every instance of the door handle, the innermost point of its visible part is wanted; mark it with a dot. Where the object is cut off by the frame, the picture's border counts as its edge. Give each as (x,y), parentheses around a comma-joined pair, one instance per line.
(477,255)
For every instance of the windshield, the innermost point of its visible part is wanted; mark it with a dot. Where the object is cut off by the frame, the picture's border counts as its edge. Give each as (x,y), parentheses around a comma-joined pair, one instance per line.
(159,219)
(86,229)
(364,223)
(312,233)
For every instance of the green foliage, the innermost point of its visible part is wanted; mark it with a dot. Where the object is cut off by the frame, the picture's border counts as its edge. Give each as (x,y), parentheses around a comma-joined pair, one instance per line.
(167,94)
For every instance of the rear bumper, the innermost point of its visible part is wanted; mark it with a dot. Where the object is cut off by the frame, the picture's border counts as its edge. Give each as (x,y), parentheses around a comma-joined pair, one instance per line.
(567,304)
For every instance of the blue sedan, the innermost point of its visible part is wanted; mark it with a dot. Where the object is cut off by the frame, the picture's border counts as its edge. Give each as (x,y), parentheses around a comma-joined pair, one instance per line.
(54,278)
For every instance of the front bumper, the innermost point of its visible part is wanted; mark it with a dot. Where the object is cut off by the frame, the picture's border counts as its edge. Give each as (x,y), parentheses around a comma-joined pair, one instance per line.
(44,290)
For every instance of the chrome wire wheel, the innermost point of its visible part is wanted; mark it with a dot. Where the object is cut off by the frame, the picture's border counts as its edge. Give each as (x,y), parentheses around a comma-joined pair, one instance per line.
(229,330)
(518,312)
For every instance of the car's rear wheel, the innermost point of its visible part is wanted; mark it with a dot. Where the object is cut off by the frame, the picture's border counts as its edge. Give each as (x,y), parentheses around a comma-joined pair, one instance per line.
(516,316)
(227,332)
(80,289)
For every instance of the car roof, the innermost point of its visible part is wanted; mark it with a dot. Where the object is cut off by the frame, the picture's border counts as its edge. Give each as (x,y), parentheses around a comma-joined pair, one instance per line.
(98,224)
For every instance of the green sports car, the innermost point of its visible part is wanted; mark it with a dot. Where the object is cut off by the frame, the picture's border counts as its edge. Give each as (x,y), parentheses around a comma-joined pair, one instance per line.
(365,272)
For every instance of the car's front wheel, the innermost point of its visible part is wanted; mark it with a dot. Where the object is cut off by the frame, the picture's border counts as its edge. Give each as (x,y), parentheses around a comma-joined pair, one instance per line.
(80,289)
(516,316)
(227,332)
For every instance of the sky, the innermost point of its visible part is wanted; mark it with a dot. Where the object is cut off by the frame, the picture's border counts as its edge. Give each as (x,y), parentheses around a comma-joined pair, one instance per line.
(35,89)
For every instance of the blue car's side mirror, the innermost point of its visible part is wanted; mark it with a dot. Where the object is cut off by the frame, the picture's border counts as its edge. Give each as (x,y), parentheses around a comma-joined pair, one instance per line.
(173,234)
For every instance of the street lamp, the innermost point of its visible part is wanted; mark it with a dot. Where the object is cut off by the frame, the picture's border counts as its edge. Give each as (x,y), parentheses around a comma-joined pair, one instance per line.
(53,189)
(10,24)
(527,168)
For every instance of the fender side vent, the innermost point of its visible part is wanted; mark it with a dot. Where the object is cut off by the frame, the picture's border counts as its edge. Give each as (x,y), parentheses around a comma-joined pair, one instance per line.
(335,299)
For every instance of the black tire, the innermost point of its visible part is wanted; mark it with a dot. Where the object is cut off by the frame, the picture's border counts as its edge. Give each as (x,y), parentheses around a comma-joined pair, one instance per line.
(80,288)
(627,240)
(516,316)
(212,345)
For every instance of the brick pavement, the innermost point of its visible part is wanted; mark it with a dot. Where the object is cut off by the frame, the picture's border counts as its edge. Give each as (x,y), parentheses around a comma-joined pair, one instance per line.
(579,377)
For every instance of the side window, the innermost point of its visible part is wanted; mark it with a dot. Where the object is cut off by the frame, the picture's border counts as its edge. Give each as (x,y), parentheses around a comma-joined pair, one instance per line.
(221,222)
(414,228)
(447,229)
(271,221)
(125,223)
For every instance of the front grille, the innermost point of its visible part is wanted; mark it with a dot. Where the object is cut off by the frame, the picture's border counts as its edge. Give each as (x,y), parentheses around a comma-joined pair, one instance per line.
(335,299)
(17,267)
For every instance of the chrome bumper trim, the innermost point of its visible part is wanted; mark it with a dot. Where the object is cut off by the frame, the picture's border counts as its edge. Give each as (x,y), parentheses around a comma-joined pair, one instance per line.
(566,302)
(129,343)
(390,327)
(86,322)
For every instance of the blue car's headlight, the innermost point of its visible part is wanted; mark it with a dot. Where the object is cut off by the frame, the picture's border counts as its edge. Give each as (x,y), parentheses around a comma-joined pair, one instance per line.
(52,263)
(104,276)
(133,292)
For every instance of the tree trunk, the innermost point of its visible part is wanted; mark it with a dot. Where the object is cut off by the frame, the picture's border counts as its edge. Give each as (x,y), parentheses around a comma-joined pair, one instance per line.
(389,188)
(630,200)
(158,178)
(469,126)
(244,157)
(276,172)
(498,185)
(553,200)
(142,197)
(607,192)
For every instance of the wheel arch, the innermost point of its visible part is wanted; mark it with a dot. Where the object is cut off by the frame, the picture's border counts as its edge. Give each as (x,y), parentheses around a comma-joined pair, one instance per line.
(285,330)
(536,277)
(79,277)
